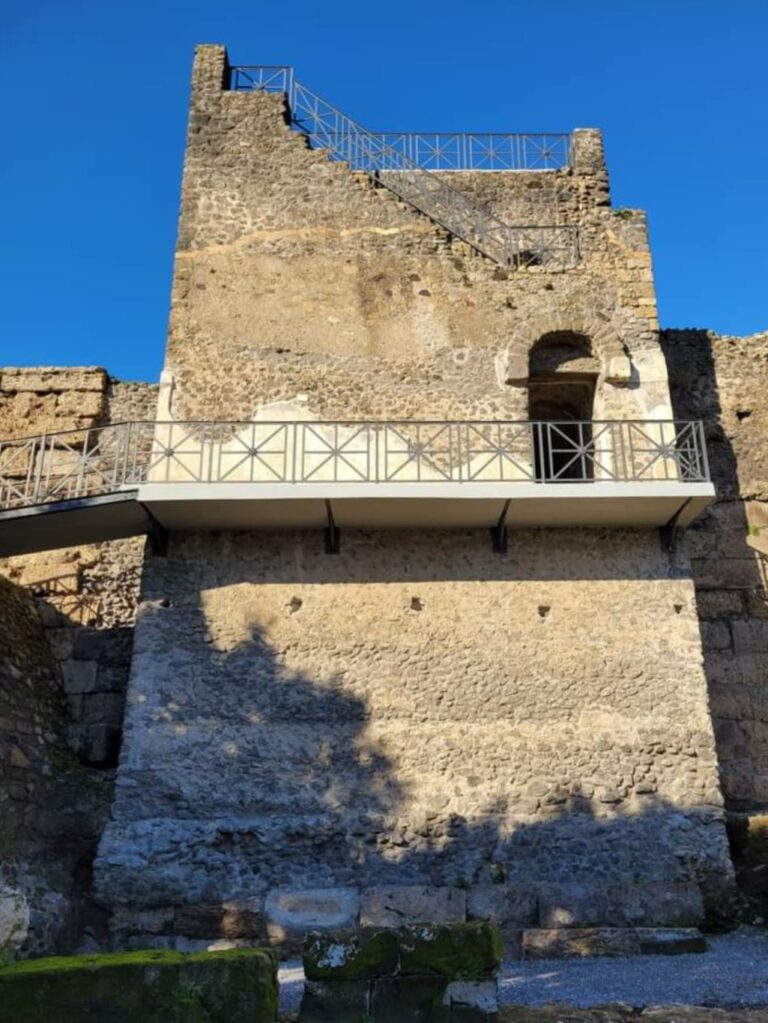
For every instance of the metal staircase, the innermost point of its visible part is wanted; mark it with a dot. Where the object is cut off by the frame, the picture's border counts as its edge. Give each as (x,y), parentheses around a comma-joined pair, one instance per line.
(386,158)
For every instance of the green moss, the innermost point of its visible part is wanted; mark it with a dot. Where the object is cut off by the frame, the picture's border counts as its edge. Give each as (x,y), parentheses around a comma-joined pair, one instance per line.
(65,964)
(455,951)
(351,955)
(144,957)
(153,986)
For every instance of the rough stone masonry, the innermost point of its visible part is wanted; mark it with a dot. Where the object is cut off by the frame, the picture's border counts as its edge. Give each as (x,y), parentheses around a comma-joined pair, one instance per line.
(417,723)
(417,729)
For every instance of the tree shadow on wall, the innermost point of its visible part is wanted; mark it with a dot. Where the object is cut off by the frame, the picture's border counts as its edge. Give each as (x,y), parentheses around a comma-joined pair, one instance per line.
(261,777)
(729,573)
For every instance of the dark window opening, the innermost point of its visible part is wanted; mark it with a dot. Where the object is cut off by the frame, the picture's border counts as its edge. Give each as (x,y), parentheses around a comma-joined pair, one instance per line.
(561,397)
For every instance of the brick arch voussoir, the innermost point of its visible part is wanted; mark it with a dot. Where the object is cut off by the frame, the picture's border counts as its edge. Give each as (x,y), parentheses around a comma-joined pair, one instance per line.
(605,342)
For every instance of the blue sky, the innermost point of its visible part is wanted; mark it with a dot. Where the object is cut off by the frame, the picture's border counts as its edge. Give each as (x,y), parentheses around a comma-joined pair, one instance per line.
(94,114)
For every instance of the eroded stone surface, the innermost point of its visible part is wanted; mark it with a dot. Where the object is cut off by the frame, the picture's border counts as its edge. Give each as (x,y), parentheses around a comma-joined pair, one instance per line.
(351,955)
(397,905)
(564,942)
(291,914)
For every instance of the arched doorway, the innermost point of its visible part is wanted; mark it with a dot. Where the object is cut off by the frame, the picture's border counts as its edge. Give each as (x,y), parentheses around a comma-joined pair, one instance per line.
(561,392)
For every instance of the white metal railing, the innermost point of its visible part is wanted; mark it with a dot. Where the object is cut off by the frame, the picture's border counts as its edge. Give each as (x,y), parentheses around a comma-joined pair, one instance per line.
(103,460)
(404,163)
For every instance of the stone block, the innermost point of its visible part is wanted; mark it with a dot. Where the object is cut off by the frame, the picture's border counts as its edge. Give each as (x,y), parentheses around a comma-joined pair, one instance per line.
(152,986)
(455,951)
(392,906)
(715,636)
(92,644)
(618,370)
(61,641)
(627,905)
(515,370)
(231,920)
(750,636)
(730,701)
(510,907)
(726,573)
(79,676)
(125,922)
(719,603)
(53,378)
(97,745)
(351,955)
(410,1000)
(85,404)
(572,905)
(481,996)
(564,943)
(291,914)
(335,1001)
(96,708)
(669,941)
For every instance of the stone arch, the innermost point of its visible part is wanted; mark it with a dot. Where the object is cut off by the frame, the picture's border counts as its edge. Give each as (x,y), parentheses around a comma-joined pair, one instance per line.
(615,364)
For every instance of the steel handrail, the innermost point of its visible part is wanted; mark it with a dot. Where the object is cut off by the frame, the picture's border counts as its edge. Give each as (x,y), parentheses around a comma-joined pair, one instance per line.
(327,127)
(101,460)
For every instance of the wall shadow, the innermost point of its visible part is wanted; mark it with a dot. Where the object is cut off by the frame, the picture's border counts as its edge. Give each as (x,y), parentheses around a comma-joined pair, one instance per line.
(256,776)
(730,576)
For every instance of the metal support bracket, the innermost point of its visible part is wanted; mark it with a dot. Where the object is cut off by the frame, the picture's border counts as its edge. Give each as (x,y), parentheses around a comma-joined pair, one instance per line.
(668,532)
(332,532)
(500,533)
(158,539)
(158,535)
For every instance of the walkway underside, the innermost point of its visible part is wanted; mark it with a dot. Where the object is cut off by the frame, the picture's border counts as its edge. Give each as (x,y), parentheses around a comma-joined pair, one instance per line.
(245,506)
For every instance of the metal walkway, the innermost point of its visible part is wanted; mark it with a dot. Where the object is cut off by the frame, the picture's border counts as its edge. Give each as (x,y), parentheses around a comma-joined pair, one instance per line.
(84,486)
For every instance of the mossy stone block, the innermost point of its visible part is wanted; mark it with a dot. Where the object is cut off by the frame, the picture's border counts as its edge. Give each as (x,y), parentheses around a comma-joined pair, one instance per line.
(410,1000)
(152,986)
(335,1001)
(351,955)
(469,951)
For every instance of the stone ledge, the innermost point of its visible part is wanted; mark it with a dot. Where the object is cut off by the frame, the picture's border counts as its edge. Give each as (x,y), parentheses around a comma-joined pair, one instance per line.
(570,942)
(46,379)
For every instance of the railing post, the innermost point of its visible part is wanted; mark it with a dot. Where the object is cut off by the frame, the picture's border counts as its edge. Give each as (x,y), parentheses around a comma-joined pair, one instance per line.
(39,470)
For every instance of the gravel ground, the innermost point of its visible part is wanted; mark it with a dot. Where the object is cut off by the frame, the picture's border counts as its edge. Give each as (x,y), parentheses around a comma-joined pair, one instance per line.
(732,973)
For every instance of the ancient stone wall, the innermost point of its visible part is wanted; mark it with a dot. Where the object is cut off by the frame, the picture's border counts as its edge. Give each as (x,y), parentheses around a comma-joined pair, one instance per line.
(52,808)
(89,593)
(724,381)
(294,278)
(67,621)
(415,711)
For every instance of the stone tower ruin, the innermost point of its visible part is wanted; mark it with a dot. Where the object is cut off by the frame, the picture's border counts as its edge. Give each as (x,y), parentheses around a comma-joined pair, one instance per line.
(418,635)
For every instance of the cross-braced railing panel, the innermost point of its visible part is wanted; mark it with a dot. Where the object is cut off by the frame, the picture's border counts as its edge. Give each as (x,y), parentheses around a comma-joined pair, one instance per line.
(462,151)
(84,463)
(404,162)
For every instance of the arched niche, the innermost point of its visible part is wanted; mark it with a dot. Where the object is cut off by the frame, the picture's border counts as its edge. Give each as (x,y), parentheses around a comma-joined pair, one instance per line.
(562,378)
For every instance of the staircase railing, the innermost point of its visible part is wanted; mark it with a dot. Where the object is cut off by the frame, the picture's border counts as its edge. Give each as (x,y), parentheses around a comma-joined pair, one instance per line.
(327,127)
